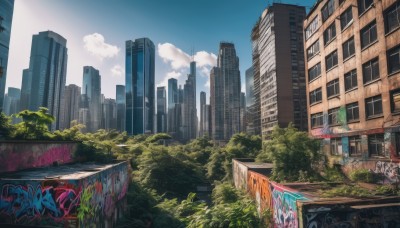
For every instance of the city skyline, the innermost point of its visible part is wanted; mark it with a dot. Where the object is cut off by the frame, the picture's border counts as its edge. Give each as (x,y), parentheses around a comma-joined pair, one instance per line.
(96,43)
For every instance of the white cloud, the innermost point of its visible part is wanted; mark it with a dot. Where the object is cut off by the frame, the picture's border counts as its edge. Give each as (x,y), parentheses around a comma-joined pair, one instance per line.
(173,55)
(117,71)
(204,58)
(96,45)
(243,89)
(172,74)
(206,71)
(207,83)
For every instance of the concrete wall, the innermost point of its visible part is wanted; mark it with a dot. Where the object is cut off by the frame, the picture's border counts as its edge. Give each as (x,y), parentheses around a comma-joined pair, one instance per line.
(16,156)
(239,175)
(97,200)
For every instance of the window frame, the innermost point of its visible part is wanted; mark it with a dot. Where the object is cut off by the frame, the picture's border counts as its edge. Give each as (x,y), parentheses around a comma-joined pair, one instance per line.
(346,15)
(370,64)
(351,74)
(395,7)
(314,94)
(357,145)
(330,7)
(312,47)
(329,32)
(311,28)
(333,116)
(363,7)
(375,100)
(392,102)
(334,60)
(348,47)
(335,85)
(395,52)
(317,116)
(335,142)
(354,109)
(380,138)
(363,31)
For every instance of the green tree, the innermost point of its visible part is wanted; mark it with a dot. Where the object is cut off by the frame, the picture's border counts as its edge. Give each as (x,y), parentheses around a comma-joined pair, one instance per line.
(292,152)
(34,125)
(6,128)
(225,193)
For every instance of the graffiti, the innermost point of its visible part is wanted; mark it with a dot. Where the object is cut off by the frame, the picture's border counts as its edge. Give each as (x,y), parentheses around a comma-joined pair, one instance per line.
(259,188)
(284,205)
(59,201)
(34,155)
(389,170)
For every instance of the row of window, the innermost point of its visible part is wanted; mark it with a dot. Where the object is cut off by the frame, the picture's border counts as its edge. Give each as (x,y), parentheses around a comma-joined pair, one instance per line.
(368,33)
(376,145)
(370,69)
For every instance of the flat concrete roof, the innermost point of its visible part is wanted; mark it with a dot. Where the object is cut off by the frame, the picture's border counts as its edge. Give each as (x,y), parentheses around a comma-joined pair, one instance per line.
(257,165)
(63,172)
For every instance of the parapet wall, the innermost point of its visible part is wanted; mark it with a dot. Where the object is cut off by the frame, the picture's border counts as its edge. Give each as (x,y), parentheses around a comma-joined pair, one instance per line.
(19,155)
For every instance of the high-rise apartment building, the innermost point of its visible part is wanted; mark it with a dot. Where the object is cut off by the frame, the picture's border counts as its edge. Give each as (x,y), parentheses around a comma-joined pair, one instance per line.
(48,67)
(202,112)
(189,123)
(225,93)
(353,70)
(109,115)
(120,90)
(70,106)
(243,121)
(140,86)
(161,109)
(250,102)
(6,15)
(281,67)
(255,109)
(25,89)
(91,89)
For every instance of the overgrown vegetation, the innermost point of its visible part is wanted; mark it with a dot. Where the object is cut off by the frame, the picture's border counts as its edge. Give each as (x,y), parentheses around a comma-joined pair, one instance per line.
(363,175)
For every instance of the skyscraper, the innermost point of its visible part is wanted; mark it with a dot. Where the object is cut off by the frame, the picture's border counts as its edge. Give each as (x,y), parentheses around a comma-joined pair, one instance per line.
(6,14)
(172,100)
(243,121)
(25,89)
(282,75)
(226,77)
(120,107)
(256,108)
(109,114)
(250,102)
(11,101)
(91,88)
(140,86)
(189,124)
(202,112)
(70,106)
(48,67)
(161,109)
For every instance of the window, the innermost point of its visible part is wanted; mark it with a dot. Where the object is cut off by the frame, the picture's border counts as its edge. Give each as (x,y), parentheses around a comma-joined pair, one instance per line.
(332,88)
(329,33)
(333,116)
(331,60)
(314,72)
(376,145)
(346,18)
(370,70)
(315,96)
(364,5)
(395,101)
(317,119)
(354,146)
(373,106)
(352,112)
(348,48)
(312,28)
(393,56)
(350,80)
(368,34)
(392,17)
(336,146)
(327,9)
(313,50)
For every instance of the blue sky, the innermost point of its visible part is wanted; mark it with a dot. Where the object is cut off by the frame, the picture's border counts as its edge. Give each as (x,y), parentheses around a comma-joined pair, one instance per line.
(96,31)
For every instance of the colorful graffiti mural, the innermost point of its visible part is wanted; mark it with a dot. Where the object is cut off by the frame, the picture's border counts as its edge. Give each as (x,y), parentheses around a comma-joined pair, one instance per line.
(259,188)
(23,155)
(55,201)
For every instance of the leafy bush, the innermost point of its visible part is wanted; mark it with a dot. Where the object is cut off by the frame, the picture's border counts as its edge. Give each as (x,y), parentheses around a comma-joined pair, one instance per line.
(347,191)
(363,175)
(225,193)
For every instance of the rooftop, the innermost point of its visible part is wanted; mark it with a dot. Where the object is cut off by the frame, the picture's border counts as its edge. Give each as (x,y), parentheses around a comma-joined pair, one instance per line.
(62,172)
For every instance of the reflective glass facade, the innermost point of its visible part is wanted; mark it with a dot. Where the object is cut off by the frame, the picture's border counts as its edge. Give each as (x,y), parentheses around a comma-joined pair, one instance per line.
(161,109)
(140,86)
(120,107)
(91,87)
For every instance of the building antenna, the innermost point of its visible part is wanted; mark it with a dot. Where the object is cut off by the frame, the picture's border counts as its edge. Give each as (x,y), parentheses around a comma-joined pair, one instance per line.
(192,53)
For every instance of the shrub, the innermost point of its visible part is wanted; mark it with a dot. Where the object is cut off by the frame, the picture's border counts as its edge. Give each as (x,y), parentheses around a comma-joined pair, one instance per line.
(363,175)
(347,191)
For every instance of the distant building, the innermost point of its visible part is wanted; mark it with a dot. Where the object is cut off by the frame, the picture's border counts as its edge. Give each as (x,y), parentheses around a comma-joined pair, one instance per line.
(120,107)
(6,15)
(11,103)
(140,86)
(281,67)
(70,106)
(225,93)
(207,126)
(202,113)
(243,112)
(109,114)
(250,103)
(256,107)
(161,109)
(48,67)
(173,98)
(189,123)
(25,89)
(91,88)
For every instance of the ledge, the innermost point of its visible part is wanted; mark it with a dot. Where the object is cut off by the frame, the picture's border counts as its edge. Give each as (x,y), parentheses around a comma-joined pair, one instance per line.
(352,89)
(369,45)
(371,82)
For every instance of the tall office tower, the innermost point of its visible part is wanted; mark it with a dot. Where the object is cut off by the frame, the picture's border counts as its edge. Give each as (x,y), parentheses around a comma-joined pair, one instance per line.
(91,88)
(70,106)
(256,108)
(243,112)
(48,67)
(189,123)
(11,101)
(207,127)
(282,76)
(120,107)
(172,100)
(109,114)
(84,113)
(353,74)
(180,94)
(250,102)
(6,14)
(25,89)
(202,112)
(140,86)
(225,92)
(161,109)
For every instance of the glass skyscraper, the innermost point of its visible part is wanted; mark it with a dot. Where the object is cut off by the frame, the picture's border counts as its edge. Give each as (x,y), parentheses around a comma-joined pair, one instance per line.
(91,88)
(48,67)
(120,107)
(140,86)
(25,89)
(6,14)
(161,109)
